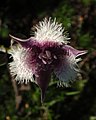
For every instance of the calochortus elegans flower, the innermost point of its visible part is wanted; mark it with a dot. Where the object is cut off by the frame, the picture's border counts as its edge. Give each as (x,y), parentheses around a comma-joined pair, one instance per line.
(35,59)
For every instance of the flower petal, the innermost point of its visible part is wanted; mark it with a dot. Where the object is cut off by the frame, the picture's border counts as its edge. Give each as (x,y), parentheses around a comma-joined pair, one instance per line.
(50,30)
(27,43)
(68,69)
(74,51)
(22,67)
(43,79)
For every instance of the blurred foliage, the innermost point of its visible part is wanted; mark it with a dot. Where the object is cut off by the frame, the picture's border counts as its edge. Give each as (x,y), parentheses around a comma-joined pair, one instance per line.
(85,40)
(77,102)
(64,14)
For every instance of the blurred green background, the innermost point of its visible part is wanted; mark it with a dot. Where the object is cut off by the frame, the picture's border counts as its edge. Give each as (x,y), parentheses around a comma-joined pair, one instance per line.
(22,102)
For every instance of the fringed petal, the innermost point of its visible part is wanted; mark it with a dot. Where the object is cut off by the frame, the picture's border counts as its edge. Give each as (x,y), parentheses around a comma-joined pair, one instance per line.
(50,30)
(21,68)
(68,69)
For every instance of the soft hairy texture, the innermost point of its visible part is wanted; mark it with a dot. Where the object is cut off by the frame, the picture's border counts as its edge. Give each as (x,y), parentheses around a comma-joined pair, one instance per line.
(50,30)
(45,53)
(68,69)
(20,66)
(67,72)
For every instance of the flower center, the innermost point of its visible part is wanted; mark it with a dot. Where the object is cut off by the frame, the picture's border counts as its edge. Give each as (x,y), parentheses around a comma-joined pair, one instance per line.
(51,56)
(47,57)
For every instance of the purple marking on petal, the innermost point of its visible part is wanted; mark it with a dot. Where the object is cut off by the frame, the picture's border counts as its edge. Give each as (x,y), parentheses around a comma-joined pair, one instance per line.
(43,80)
(74,51)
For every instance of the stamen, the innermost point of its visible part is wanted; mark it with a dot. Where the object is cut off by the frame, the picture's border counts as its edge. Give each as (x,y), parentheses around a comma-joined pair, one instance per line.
(48,53)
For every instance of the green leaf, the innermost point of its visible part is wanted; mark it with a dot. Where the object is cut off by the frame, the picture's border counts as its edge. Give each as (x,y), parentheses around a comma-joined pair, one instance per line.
(72,93)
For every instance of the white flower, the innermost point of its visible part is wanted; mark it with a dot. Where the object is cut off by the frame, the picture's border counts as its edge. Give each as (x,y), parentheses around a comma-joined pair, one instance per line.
(44,53)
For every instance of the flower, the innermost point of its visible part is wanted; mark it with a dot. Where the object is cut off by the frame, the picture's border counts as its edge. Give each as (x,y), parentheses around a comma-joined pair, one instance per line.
(35,59)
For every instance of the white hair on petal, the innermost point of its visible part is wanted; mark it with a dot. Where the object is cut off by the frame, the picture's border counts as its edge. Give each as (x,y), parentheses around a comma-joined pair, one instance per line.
(2,49)
(50,30)
(67,72)
(18,68)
